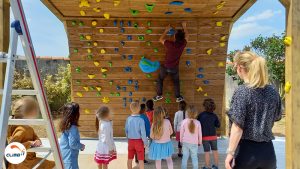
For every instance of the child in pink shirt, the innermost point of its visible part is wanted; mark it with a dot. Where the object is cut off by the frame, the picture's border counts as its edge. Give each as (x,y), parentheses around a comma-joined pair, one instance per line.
(161,146)
(190,137)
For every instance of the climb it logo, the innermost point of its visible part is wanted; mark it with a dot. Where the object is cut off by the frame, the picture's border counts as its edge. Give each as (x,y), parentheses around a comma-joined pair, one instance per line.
(15,153)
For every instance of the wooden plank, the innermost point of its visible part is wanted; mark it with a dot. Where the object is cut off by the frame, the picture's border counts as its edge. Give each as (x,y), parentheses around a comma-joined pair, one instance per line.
(242,10)
(292,72)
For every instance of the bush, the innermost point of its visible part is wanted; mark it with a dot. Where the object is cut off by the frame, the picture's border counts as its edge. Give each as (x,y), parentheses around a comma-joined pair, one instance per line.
(57,86)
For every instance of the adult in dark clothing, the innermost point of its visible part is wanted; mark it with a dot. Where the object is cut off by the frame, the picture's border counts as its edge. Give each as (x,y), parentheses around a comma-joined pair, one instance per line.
(255,106)
(209,122)
(174,50)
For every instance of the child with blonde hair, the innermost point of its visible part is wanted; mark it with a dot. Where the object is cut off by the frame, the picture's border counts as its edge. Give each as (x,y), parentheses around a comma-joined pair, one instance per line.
(161,146)
(106,149)
(26,108)
(70,138)
(191,137)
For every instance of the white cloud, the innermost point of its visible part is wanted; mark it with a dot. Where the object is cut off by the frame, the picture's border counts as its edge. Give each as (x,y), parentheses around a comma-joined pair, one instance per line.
(249,30)
(267,14)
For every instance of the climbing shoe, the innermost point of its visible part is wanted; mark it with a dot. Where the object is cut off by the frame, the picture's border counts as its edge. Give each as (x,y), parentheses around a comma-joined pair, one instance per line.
(214,167)
(179,99)
(157,98)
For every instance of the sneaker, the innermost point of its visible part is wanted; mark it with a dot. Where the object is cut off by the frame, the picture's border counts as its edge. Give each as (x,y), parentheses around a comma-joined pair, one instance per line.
(180,155)
(214,167)
(179,99)
(157,98)
(146,162)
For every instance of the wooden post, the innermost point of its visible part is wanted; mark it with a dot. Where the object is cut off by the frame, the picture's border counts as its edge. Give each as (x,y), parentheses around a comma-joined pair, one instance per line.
(4,36)
(292,71)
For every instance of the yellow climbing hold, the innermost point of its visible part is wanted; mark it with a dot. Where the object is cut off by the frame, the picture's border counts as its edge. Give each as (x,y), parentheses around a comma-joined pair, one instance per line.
(287,40)
(205,94)
(199,89)
(223,38)
(221,64)
(96,63)
(103,70)
(117,2)
(222,44)
(105,100)
(209,51)
(91,76)
(84,3)
(216,12)
(79,94)
(88,37)
(94,23)
(219,23)
(87,111)
(86,88)
(89,50)
(95,43)
(221,5)
(98,88)
(101,30)
(287,87)
(97,9)
(106,15)
(98,0)
(82,13)
(102,51)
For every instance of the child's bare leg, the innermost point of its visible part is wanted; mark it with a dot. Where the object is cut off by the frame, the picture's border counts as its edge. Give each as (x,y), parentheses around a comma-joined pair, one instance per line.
(99,166)
(129,163)
(141,164)
(158,164)
(105,166)
(216,157)
(170,163)
(207,159)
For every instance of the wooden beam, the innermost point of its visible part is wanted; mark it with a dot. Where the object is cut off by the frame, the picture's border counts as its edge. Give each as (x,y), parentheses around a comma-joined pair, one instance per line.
(242,10)
(285,3)
(292,73)
(4,36)
(53,9)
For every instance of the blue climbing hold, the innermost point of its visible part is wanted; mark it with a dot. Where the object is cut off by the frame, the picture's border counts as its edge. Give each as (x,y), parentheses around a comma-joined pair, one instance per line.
(124,104)
(200,69)
(129,37)
(136,82)
(124,88)
(121,23)
(123,56)
(188,50)
(206,82)
(129,81)
(127,69)
(122,30)
(177,3)
(115,22)
(169,13)
(189,10)
(129,23)
(147,66)
(200,76)
(130,100)
(116,49)
(130,93)
(171,32)
(124,99)
(118,88)
(136,88)
(129,57)
(188,63)
(122,43)
(144,99)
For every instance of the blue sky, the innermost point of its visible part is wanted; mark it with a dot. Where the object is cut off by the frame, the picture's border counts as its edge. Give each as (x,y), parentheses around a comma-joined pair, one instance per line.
(265,17)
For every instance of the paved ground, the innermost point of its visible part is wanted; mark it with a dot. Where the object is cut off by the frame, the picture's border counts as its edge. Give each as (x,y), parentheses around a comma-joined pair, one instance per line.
(86,157)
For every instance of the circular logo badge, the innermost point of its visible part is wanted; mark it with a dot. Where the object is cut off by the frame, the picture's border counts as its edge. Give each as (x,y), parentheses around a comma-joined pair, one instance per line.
(15,153)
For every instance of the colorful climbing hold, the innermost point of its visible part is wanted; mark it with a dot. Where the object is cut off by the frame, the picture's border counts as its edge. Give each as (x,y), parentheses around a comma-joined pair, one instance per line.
(105,100)
(104,75)
(127,69)
(223,38)
(171,32)
(287,40)
(110,64)
(96,63)
(78,82)
(168,100)
(199,89)
(220,5)
(134,12)
(141,37)
(209,51)
(90,57)
(111,82)
(81,37)
(206,82)
(121,23)
(122,43)
(102,51)
(200,76)
(130,94)
(85,88)
(118,87)
(287,87)
(149,7)
(149,23)
(88,37)
(89,50)
(118,94)
(177,3)
(188,63)
(168,13)
(188,50)
(79,94)
(101,30)
(94,23)
(147,66)
(87,111)
(81,23)
(91,76)
(219,23)
(155,50)
(89,43)
(82,13)
(98,0)
(115,23)
(97,9)
(130,100)
(98,94)
(148,43)
(106,15)
(130,57)
(74,23)
(144,99)
(129,23)
(117,2)
(136,25)
(189,10)
(84,3)
(129,81)
(221,64)
(75,50)
(222,44)
(116,49)
(124,88)
(200,69)
(215,12)
(78,69)
(122,30)
(103,70)
(129,37)
(205,94)
(149,31)
(148,75)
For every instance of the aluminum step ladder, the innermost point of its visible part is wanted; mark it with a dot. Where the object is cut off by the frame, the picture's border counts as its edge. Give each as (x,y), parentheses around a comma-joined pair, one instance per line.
(19,29)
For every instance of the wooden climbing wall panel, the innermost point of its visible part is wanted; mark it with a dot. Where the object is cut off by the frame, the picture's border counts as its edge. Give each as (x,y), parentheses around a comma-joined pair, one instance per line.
(105,55)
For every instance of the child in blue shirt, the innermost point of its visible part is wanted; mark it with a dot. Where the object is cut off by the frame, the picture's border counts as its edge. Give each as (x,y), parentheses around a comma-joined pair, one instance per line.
(136,134)
(70,138)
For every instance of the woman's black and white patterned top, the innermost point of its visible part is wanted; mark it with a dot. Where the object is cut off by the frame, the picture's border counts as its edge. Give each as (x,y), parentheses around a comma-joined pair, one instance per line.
(255,111)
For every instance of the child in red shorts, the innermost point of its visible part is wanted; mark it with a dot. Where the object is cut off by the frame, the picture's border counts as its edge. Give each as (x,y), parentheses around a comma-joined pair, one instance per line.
(136,135)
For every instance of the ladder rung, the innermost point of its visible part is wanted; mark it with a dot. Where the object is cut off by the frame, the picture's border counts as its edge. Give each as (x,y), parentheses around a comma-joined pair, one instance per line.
(3,57)
(39,149)
(37,122)
(21,92)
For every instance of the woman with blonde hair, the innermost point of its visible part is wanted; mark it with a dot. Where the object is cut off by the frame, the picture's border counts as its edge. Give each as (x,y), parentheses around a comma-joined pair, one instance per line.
(255,106)
(161,146)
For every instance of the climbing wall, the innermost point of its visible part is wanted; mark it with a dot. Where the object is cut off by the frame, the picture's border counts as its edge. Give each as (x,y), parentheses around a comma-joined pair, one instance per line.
(105,56)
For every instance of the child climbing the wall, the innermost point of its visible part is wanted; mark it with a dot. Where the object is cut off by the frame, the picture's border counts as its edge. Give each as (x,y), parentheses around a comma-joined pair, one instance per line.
(26,108)
(150,109)
(179,117)
(70,138)
(209,122)
(147,127)
(161,146)
(174,49)
(136,135)
(190,137)
(106,149)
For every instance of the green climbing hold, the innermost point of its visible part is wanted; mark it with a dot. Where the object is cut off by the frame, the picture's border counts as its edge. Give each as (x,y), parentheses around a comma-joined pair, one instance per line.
(78,69)
(118,94)
(74,23)
(148,43)
(98,94)
(148,31)
(90,57)
(136,25)
(81,37)
(112,94)
(75,50)
(89,43)
(141,37)
(110,64)
(104,75)
(168,100)
(155,50)
(81,23)
(92,88)
(149,76)
(149,7)
(149,23)
(168,94)
(111,82)
(134,12)
(78,82)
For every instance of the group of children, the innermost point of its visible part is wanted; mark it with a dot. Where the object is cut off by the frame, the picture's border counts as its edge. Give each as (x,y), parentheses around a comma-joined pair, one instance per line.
(143,126)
